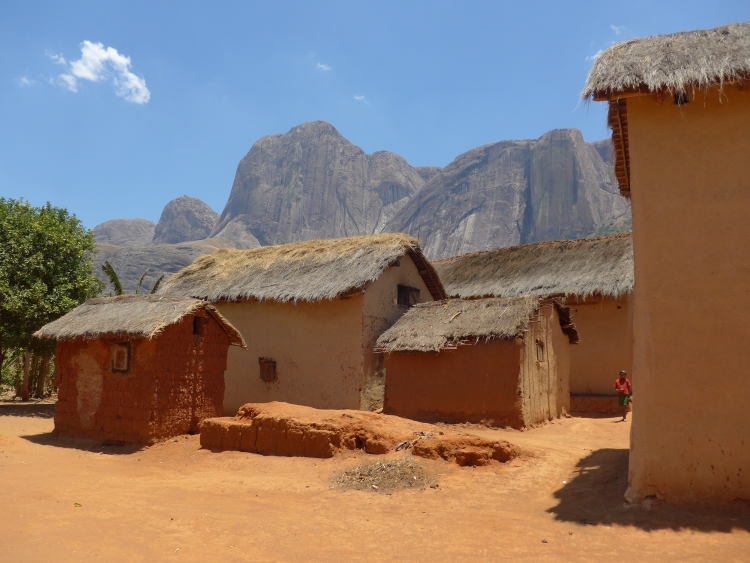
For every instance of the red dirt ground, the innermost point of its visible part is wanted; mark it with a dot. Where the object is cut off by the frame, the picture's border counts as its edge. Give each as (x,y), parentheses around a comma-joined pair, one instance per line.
(177,502)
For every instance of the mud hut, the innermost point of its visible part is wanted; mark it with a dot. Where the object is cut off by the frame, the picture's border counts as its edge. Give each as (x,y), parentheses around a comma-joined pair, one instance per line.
(139,368)
(498,361)
(679,109)
(311,313)
(594,277)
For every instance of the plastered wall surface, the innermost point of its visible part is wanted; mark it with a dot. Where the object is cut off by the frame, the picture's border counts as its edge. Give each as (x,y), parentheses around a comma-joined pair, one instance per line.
(690,182)
(606,344)
(175,380)
(545,385)
(317,348)
(380,312)
(472,383)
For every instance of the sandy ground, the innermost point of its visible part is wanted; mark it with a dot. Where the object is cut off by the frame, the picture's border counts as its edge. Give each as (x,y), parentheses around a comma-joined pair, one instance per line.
(177,502)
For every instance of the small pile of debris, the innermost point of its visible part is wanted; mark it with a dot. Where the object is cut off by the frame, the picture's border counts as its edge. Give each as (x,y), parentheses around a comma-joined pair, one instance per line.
(386,476)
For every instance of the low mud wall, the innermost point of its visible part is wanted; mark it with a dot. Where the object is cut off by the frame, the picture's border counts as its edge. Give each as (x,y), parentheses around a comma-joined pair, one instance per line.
(292,430)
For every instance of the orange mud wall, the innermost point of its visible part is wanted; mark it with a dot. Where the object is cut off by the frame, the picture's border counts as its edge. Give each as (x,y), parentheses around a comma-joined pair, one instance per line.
(499,382)
(606,344)
(323,350)
(175,381)
(690,185)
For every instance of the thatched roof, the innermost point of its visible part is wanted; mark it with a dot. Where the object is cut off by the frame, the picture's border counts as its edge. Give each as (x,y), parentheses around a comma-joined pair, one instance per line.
(585,267)
(431,327)
(302,271)
(676,63)
(139,316)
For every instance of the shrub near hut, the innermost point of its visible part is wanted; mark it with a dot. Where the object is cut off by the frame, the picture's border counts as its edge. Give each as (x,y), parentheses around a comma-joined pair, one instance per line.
(139,368)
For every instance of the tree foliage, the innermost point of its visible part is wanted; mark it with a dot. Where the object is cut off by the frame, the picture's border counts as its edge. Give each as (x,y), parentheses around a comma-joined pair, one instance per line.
(46,269)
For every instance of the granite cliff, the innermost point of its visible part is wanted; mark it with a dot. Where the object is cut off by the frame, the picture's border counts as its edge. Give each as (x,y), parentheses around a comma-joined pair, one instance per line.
(313,183)
(513,192)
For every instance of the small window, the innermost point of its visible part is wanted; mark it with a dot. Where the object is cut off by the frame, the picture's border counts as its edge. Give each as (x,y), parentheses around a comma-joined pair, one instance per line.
(121,357)
(539,351)
(407,296)
(267,369)
(199,325)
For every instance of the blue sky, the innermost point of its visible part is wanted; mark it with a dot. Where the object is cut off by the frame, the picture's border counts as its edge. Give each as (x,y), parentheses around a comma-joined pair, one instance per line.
(166,97)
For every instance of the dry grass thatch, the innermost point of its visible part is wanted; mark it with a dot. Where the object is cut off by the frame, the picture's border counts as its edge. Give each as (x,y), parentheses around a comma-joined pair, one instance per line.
(139,316)
(431,327)
(676,63)
(303,271)
(585,267)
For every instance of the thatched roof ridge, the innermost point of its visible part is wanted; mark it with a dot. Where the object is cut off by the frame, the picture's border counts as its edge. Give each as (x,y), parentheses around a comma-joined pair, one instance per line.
(304,271)
(131,316)
(433,326)
(677,63)
(584,267)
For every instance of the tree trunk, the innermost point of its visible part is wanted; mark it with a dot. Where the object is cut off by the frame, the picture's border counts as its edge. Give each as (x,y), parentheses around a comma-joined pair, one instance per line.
(41,382)
(25,382)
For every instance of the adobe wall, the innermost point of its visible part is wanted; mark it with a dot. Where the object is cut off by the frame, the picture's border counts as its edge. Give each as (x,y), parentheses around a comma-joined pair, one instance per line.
(545,387)
(606,344)
(317,348)
(473,383)
(380,312)
(690,185)
(174,382)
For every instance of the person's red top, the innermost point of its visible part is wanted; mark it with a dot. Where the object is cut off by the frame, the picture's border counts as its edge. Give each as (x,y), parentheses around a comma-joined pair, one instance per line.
(623,387)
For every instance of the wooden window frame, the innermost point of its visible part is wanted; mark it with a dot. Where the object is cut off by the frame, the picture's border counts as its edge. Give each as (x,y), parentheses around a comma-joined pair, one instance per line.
(114,349)
(406,296)
(267,369)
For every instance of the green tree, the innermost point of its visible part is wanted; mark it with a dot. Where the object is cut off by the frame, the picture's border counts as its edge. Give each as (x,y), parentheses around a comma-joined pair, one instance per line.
(46,270)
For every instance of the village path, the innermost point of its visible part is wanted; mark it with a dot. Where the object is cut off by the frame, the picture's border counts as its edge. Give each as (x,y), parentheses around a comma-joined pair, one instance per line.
(177,502)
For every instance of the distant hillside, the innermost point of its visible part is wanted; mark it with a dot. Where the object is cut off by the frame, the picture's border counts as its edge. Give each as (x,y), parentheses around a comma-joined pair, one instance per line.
(311,182)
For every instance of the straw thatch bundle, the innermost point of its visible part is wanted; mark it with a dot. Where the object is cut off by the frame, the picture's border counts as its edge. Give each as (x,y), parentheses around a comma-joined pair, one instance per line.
(585,267)
(431,327)
(302,271)
(128,316)
(676,62)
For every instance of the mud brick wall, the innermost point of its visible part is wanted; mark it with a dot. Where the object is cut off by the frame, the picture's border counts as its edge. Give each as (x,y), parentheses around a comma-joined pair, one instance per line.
(175,381)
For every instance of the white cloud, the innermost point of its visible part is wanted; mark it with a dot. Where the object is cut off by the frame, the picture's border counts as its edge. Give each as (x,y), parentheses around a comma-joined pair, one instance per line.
(323,67)
(360,98)
(595,55)
(98,63)
(617,28)
(59,59)
(25,81)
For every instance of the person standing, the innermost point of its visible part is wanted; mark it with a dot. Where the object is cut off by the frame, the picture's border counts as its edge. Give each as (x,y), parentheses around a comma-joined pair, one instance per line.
(624,392)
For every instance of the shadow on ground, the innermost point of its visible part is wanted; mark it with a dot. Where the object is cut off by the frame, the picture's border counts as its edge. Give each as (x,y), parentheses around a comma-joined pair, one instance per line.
(595,496)
(83,444)
(33,410)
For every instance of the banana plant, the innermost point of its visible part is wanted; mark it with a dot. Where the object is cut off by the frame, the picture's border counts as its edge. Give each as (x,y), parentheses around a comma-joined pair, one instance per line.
(115,280)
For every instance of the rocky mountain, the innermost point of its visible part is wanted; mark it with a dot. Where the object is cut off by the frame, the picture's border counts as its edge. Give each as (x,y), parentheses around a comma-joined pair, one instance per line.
(313,183)
(185,219)
(513,192)
(125,232)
